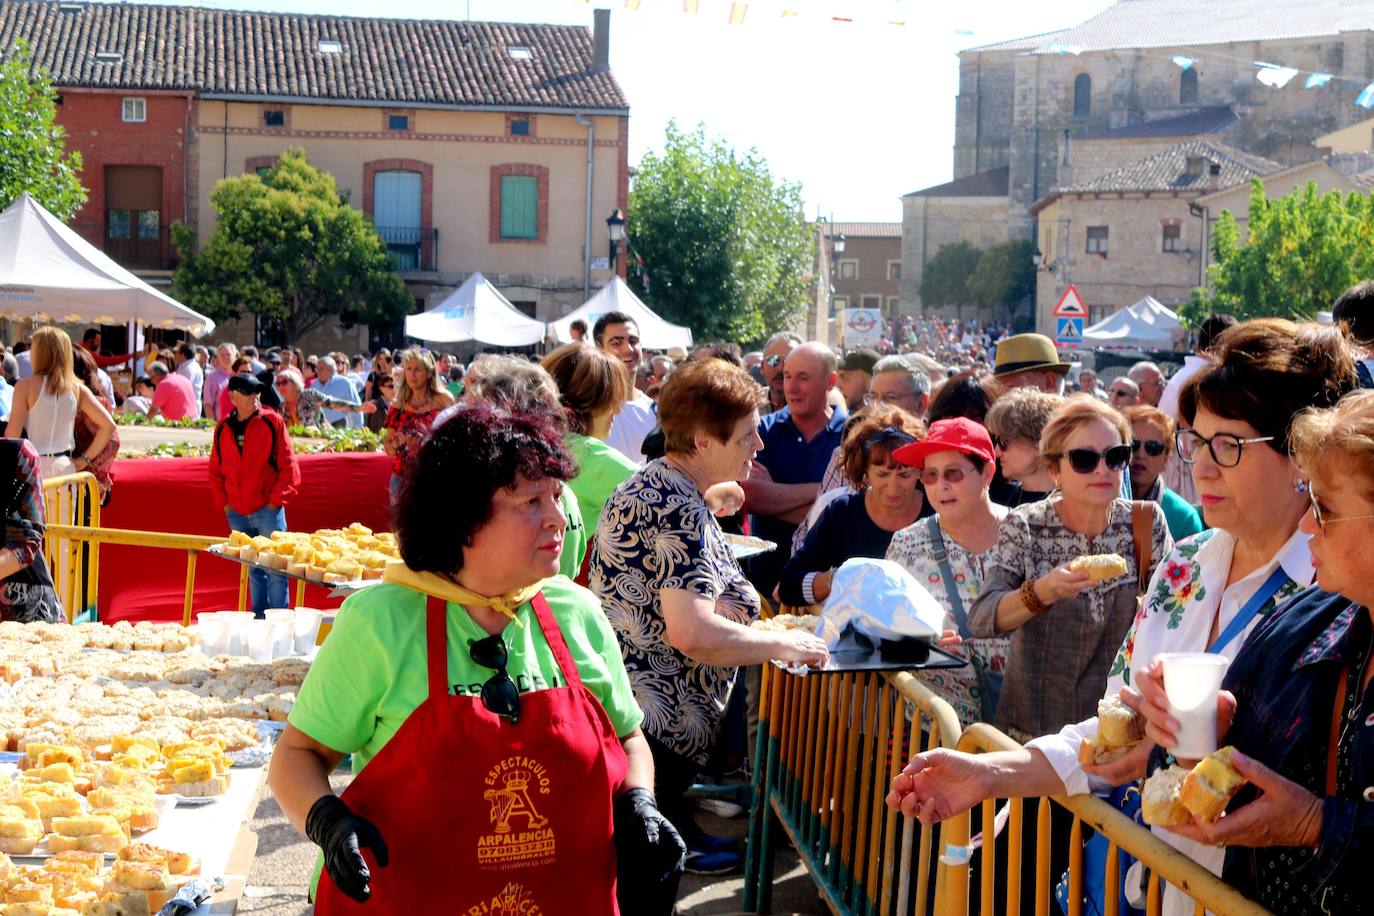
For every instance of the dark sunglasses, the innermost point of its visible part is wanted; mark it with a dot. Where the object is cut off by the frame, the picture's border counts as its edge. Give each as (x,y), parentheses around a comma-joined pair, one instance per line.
(773,360)
(1086,460)
(931,477)
(1153,447)
(999,442)
(499,694)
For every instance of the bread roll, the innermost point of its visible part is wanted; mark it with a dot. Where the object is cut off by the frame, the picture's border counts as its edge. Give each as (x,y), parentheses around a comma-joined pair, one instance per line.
(1159,800)
(1093,753)
(1118,725)
(1100,567)
(1211,785)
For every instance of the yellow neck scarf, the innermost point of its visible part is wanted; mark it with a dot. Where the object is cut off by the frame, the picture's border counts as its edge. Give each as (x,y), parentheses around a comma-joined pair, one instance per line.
(443,587)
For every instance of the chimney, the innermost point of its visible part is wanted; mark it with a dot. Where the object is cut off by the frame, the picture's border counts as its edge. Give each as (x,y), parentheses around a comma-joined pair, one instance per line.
(1213,175)
(601,41)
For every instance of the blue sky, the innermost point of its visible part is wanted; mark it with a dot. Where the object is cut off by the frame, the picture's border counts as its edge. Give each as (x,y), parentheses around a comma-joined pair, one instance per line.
(859,113)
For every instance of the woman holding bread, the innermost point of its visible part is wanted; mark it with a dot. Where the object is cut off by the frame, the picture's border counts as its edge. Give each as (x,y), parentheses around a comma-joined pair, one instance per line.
(1208,593)
(494,734)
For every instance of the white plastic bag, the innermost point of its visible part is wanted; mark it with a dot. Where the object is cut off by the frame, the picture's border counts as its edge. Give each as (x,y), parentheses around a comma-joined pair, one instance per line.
(881,600)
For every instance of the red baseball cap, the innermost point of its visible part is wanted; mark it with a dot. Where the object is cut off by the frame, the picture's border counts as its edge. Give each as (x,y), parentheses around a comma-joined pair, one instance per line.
(957,434)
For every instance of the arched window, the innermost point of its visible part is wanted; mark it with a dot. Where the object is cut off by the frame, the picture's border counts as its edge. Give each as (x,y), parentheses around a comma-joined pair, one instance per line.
(1082,95)
(1187,87)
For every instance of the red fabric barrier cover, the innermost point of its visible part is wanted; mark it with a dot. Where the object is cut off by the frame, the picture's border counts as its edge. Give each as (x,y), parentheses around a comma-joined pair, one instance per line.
(173,495)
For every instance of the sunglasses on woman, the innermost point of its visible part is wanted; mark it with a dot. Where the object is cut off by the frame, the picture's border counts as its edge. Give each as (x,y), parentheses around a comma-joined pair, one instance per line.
(1153,447)
(931,476)
(499,694)
(1086,460)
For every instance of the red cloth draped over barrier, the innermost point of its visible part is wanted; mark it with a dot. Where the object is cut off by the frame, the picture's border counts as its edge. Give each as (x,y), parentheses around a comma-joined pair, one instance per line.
(173,495)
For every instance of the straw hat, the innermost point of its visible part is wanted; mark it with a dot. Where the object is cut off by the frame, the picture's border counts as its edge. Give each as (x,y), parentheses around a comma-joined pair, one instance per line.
(1027,351)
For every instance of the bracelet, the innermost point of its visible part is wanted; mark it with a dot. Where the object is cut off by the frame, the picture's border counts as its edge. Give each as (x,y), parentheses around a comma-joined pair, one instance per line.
(1031,600)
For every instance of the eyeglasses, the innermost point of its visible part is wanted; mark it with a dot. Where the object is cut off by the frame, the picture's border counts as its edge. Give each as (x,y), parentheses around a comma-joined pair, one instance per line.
(1086,460)
(1224,447)
(499,694)
(282,384)
(932,476)
(999,443)
(1153,447)
(1320,516)
(1120,393)
(773,361)
(872,397)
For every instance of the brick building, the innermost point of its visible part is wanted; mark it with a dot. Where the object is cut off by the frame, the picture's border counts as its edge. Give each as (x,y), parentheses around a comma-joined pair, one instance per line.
(866,273)
(472,146)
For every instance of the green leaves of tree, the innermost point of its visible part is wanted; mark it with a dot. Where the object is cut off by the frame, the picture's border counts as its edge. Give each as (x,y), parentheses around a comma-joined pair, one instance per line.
(1297,255)
(288,246)
(1004,277)
(725,246)
(32,154)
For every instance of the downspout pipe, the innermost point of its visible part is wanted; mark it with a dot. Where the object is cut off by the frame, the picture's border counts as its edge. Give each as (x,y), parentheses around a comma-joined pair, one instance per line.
(588,123)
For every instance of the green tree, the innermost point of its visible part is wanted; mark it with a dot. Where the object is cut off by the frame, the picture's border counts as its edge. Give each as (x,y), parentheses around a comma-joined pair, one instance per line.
(1300,252)
(288,247)
(33,157)
(1004,277)
(945,278)
(722,245)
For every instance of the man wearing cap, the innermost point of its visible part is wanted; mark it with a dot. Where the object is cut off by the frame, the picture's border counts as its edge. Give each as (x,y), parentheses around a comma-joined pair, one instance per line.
(1030,361)
(253,475)
(856,375)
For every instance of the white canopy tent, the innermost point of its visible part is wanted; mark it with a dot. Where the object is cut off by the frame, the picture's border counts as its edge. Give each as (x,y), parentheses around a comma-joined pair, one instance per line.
(1161,316)
(476,311)
(49,273)
(654,332)
(1140,326)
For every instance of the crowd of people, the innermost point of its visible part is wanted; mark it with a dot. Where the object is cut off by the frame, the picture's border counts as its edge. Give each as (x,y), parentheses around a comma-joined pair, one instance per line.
(567,595)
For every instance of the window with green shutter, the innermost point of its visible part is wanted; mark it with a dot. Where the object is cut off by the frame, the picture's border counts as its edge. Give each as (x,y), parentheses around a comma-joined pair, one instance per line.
(519,207)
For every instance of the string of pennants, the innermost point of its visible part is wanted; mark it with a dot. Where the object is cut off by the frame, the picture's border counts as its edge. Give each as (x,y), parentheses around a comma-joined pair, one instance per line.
(740,10)
(1276,76)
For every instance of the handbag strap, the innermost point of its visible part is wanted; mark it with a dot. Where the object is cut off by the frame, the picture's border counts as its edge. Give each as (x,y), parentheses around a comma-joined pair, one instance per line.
(1142,533)
(941,557)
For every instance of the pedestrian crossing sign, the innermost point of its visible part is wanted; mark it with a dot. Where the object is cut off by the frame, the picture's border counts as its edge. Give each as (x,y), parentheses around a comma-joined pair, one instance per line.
(1070,331)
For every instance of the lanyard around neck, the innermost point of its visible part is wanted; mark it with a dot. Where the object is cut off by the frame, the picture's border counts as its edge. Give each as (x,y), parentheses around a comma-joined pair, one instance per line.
(1268,590)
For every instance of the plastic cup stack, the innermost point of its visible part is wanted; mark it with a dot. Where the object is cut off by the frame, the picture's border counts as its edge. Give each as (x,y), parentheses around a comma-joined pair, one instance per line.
(306,629)
(284,618)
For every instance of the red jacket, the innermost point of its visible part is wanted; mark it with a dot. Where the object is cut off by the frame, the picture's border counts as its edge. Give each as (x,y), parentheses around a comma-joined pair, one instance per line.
(264,473)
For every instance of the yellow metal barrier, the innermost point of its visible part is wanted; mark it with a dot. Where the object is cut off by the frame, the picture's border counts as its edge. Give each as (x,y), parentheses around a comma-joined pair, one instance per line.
(1165,863)
(829,746)
(70,537)
(72,500)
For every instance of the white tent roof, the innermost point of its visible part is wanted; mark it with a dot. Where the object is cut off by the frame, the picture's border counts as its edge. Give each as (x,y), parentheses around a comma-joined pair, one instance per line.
(654,332)
(1159,315)
(1131,327)
(50,273)
(476,311)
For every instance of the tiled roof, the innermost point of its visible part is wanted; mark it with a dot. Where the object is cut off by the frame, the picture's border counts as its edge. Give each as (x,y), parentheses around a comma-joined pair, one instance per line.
(1029,43)
(992,183)
(1186,23)
(1193,124)
(1167,170)
(275,55)
(867,230)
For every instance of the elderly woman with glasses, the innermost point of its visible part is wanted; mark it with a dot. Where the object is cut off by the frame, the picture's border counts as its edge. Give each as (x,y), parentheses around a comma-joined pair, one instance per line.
(473,649)
(860,523)
(1211,590)
(302,406)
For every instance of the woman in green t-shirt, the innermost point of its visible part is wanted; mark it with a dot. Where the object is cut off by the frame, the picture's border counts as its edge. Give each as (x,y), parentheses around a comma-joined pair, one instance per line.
(492,725)
(592,385)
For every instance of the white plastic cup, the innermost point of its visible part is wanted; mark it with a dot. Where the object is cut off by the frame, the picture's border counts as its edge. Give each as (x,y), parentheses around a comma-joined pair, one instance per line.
(259,635)
(214,632)
(284,617)
(1191,682)
(234,634)
(306,629)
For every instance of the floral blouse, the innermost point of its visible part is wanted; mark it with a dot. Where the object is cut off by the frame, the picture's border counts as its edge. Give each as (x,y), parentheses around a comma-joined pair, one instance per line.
(405,430)
(911,549)
(309,410)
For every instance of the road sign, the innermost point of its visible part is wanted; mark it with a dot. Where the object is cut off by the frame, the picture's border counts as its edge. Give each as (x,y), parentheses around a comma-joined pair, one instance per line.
(1071,305)
(1069,332)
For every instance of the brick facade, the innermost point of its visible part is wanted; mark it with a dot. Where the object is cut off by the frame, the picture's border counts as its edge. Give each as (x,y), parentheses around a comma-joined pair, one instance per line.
(870,286)
(541,232)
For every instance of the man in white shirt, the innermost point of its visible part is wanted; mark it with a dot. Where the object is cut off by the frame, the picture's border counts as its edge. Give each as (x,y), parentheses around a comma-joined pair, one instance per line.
(618,334)
(188,368)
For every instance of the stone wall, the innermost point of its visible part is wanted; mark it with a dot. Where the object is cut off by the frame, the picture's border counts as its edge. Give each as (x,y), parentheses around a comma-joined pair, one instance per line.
(930,222)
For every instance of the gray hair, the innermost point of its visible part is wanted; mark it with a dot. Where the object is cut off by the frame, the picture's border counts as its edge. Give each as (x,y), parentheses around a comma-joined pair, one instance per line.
(789,336)
(1143,366)
(327,361)
(513,383)
(920,378)
(157,367)
(10,364)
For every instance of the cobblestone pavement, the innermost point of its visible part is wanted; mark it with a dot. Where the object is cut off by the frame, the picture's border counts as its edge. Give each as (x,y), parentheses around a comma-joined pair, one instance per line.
(280,875)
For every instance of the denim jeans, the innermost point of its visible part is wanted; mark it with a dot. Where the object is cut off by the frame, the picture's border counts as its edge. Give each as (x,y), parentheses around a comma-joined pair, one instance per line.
(268,589)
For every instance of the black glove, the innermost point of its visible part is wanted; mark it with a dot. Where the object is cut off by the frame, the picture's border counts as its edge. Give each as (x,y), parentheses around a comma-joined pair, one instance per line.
(646,842)
(332,826)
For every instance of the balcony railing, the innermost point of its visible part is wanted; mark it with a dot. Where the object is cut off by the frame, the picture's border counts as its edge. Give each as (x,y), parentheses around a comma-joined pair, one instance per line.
(412,247)
(140,249)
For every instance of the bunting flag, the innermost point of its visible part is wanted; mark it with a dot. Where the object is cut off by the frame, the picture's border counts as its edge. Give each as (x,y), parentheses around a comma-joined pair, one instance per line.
(1366,97)
(631,4)
(788,14)
(690,7)
(1317,80)
(1275,76)
(737,11)
(1185,63)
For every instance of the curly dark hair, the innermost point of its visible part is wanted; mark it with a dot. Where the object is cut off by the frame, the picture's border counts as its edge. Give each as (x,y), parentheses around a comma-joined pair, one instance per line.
(484,447)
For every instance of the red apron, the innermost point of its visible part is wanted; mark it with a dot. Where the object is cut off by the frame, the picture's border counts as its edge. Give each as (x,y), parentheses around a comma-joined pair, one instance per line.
(482,816)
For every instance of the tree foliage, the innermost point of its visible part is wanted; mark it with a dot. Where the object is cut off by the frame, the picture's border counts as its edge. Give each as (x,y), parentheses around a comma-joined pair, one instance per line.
(723,247)
(33,157)
(1298,254)
(1004,277)
(945,278)
(287,246)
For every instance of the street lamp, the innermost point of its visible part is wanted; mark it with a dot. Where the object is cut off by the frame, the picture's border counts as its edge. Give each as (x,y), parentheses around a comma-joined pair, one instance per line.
(615,228)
